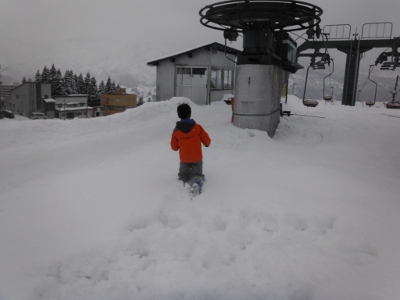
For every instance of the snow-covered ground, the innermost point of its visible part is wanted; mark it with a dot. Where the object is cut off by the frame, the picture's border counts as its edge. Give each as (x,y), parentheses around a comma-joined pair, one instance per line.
(92,209)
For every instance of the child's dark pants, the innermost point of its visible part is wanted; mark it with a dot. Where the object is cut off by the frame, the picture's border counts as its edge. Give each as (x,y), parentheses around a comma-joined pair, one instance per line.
(188,171)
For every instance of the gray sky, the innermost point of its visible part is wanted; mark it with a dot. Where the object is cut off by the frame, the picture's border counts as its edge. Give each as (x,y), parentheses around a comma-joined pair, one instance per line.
(176,20)
(169,24)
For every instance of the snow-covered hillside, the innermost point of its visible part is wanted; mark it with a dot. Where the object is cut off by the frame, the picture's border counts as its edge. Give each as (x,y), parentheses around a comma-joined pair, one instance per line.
(92,209)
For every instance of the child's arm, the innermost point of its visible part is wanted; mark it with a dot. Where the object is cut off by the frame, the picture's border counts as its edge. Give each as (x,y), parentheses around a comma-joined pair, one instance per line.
(174,143)
(205,138)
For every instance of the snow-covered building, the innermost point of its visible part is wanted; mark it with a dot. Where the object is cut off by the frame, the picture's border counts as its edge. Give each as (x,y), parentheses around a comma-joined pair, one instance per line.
(203,74)
(72,106)
(29,97)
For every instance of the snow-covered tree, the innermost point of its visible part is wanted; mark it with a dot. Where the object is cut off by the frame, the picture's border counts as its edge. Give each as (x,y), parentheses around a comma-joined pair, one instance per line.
(93,92)
(58,85)
(102,88)
(52,74)
(80,84)
(113,87)
(69,82)
(108,87)
(87,81)
(45,78)
(38,77)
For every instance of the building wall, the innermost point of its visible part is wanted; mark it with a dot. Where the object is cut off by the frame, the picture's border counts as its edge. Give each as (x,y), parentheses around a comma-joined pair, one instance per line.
(72,106)
(5,91)
(165,88)
(28,97)
(116,103)
(97,111)
(61,99)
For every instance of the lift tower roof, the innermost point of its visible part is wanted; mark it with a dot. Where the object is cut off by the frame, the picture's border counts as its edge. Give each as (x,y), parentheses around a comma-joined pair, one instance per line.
(275,14)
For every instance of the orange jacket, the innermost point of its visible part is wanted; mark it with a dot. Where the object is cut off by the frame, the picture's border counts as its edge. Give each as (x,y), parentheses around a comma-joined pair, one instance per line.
(187,138)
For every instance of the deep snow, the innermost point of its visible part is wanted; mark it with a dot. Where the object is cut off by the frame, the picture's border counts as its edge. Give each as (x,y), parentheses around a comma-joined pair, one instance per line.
(92,209)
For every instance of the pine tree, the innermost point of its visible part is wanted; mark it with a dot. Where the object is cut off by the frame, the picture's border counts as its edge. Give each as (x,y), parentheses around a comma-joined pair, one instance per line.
(113,87)
(102,88)
(23,79)
(87,84)
(73,82)
(52,74)
(45,78)
(108,87)
(38,77)
(94,99)
(58,85)
(80,84)
(68,78)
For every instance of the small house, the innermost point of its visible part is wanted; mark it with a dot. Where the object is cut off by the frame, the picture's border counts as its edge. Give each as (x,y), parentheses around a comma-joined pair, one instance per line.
(203,74)
(72,106)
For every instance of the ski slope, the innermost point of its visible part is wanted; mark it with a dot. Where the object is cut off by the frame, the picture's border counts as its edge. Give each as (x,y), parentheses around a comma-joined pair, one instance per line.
(92,209)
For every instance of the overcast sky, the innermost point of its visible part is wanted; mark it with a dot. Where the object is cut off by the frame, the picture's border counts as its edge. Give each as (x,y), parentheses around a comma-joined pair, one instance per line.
(177,20)
(173,24)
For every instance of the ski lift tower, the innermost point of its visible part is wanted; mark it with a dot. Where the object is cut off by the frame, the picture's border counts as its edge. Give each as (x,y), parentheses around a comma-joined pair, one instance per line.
(269,53)
(373,35)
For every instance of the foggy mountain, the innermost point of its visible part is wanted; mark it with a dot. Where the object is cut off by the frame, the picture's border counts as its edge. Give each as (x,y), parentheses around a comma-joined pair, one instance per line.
(124,63)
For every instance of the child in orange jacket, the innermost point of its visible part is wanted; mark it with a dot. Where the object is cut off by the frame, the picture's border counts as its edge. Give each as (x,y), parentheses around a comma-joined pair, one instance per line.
(187,138)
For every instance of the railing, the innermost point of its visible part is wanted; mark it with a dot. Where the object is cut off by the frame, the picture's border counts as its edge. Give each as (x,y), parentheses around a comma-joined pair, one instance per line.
(337,32)
(380,30)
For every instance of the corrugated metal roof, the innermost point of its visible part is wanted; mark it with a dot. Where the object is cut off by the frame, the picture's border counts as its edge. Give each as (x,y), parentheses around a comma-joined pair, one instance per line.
(214,46)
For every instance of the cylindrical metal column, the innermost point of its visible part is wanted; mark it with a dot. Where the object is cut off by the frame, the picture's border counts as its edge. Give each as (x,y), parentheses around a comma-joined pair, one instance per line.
(258,92)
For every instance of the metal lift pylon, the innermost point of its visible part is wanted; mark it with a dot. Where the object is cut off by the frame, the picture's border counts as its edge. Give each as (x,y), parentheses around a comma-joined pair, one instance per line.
(377,37)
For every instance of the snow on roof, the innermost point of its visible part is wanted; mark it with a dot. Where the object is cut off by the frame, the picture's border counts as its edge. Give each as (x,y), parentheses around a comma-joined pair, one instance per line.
(214,45)
(71,95)
(74,108)
(48,100)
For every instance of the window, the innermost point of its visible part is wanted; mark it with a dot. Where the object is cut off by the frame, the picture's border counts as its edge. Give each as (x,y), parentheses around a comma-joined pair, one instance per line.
(199,76)
(228,79)
(221,79)
(216,79)
(184,76)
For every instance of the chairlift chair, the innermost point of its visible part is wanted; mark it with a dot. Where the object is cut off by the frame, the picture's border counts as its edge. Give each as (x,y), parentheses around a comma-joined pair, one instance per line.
(394,104)
(311,103)
(372,103)
(329,97)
